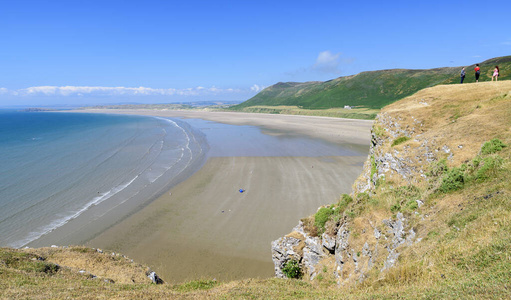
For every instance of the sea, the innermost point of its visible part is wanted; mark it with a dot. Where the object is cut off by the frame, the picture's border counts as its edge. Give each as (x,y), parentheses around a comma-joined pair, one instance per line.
(56,166)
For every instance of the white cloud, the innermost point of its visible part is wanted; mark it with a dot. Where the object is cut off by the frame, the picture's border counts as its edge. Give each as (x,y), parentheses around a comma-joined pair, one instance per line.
(115,91)
(256,88)
(327,62)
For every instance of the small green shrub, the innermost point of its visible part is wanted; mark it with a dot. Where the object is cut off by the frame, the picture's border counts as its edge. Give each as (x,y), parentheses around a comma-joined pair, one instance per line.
(321,217)
(488,167)
(27,262)
(475,162)
(344,202)
(409,191)
(41,267)
(363,197)
(378,131)
(395,208)
(492,146)
(346,199)
(374,169)
(292,269)
(453,180)
(438,168)
(412,205)
(399,140)
(351,214)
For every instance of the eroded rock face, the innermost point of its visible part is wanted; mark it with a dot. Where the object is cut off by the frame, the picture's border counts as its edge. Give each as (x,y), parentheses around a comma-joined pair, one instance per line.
(312,254)
(352,262)
(328,242)
(301,247)
(399,237)
(377,242)
(342,252)
(285,249)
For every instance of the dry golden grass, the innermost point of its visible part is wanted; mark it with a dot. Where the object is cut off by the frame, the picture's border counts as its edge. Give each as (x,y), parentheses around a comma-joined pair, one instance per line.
(455,115)
(114,266)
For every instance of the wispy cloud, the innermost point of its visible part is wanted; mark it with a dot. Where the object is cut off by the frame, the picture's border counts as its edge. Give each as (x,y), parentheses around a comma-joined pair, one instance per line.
(117,91)
(257,88)
(327,62)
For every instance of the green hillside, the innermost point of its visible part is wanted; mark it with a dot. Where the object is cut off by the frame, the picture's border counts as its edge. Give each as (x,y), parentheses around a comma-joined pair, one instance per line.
(373,89)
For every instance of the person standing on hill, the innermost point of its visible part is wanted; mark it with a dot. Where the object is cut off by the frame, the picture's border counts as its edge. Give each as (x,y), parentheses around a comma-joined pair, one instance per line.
(462,74)
(496,72)
(478,72)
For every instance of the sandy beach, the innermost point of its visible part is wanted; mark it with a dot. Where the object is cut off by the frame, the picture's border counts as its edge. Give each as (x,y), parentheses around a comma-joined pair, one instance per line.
(205,228)
(336,130)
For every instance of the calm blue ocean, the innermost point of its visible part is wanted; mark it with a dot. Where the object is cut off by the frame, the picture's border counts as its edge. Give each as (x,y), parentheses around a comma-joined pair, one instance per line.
(55,166)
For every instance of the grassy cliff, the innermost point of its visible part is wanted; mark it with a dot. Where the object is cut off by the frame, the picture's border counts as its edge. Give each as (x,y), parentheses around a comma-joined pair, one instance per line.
(372,90)
(448,146)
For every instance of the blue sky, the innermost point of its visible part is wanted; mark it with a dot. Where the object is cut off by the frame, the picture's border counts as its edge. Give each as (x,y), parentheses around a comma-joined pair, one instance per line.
(91,52)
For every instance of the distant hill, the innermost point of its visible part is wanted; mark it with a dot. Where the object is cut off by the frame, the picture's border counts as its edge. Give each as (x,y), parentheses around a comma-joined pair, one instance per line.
(374,89)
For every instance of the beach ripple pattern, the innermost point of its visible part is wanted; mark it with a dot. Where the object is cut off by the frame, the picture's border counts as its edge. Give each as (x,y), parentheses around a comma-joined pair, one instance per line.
(50,177)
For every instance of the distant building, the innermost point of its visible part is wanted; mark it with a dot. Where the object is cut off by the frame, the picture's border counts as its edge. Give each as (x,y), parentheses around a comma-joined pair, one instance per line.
(347,107)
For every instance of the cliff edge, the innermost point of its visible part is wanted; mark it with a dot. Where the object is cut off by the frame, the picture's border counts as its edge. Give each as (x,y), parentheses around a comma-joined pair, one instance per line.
(432,204)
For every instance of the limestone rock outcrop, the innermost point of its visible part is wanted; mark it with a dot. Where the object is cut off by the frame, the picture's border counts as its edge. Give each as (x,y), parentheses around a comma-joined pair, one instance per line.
(376,243)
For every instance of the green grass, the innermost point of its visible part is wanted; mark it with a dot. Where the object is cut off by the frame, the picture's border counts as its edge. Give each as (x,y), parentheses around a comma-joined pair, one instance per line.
(292,269)
(196,285)
(355,113)
(400,140)
(321,217)
(479,169)
(492,146)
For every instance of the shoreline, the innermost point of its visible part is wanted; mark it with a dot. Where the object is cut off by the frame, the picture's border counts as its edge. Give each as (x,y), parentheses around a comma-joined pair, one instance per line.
(204,228)
(98,217)
(350,131)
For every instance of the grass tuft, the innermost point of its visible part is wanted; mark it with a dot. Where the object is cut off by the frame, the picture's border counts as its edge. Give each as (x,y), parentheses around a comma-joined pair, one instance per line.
(197,285)
(400,140)
(492,146)
(321,217)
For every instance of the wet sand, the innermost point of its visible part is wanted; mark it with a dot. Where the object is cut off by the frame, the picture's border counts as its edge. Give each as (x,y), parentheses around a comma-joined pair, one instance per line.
(205,228)
(335,130)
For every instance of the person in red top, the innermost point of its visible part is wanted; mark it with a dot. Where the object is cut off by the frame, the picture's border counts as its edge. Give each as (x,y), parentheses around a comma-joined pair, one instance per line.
(478,72)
